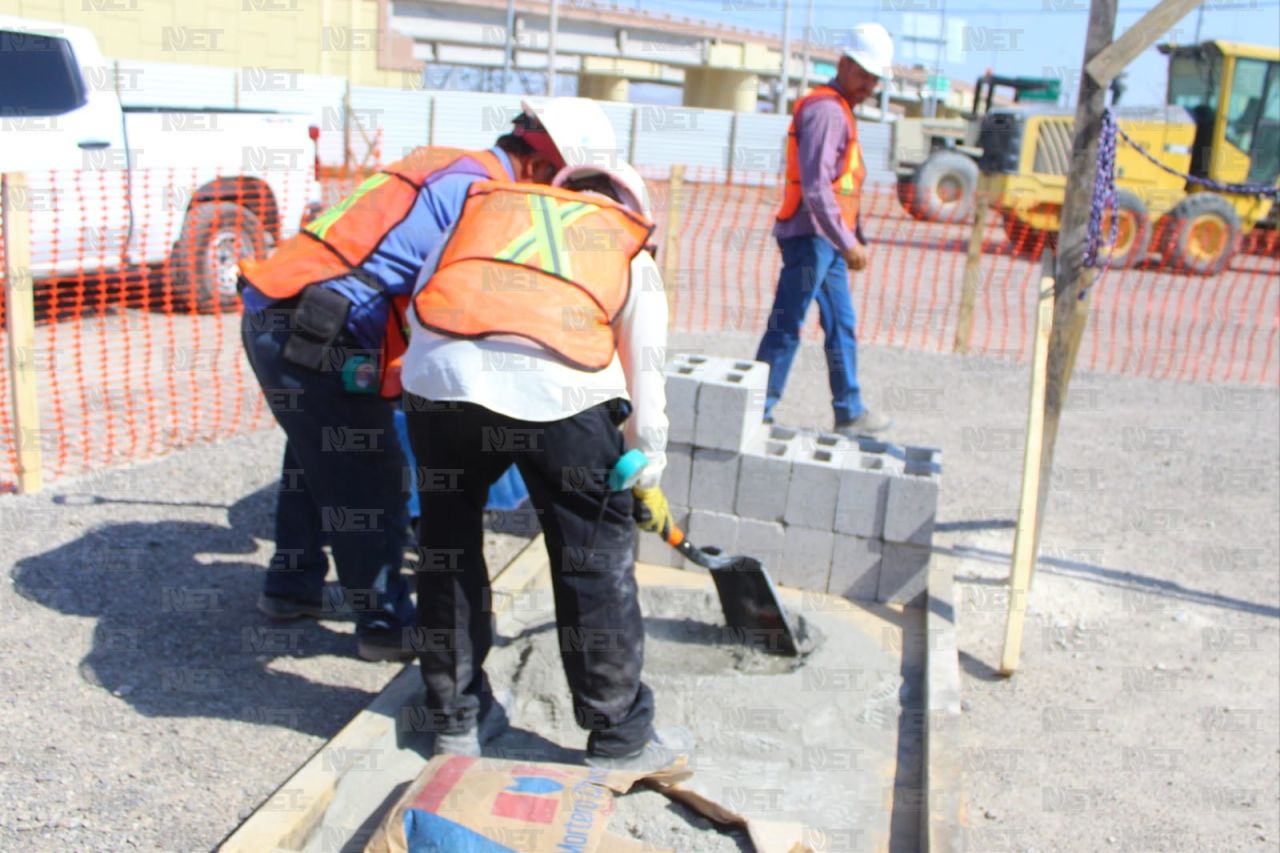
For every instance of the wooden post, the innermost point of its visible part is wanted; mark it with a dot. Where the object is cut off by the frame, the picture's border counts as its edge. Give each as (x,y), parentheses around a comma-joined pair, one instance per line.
(20,320)
(1072,238)
(1026,535)
(671,242)
(972,272)
(1104,67)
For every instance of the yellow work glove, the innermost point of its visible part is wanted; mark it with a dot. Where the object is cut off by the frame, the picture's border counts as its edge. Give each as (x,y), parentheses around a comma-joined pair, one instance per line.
(652,512)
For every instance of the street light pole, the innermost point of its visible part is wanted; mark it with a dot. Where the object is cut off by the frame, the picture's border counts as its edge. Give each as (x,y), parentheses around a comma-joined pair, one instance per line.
(551,49)
(784,79)
(510,49)
(808,40)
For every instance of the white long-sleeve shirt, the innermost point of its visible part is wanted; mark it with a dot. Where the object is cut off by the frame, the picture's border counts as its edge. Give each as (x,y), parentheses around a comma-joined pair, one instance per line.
(520,379)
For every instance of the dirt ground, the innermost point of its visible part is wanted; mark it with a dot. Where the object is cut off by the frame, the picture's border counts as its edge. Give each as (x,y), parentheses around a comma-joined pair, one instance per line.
(1144,715)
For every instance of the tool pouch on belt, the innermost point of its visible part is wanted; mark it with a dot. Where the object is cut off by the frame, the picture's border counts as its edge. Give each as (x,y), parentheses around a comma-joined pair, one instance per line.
(320,316)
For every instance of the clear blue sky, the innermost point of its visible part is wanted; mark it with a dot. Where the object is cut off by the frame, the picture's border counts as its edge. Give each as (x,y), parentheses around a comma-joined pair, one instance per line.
(1012,37)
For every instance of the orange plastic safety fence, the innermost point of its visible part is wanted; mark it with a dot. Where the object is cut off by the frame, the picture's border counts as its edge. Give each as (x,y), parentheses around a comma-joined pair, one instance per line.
(137,323)
(1157,320)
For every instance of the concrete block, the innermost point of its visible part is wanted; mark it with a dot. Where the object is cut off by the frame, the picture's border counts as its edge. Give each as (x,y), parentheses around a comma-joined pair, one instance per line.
(712,530)
(904,574)
(764,540)
(764,474)
(815,481)
(682,399)
(912,507)
(651,549)
(806,561)
(730,403)
(855,568)
(713,480)
(675,477)
(864,493)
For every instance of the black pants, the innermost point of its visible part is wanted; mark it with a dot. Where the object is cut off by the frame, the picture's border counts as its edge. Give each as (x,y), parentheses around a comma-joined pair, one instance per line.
(461,450)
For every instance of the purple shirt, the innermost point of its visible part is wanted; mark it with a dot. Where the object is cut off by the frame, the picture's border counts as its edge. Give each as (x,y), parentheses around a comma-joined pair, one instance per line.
(822,136)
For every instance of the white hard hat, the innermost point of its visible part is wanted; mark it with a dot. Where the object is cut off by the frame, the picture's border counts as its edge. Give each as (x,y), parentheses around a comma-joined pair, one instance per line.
(871,47)
(580,129)
(628,184)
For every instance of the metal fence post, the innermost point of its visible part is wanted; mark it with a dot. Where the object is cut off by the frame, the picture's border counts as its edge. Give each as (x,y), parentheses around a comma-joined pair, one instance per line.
(20,320)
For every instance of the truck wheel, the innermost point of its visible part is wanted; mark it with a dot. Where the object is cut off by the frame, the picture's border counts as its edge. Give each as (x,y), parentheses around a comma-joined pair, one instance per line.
(203,266)
(943,188)
(1200,235)
(1133,231)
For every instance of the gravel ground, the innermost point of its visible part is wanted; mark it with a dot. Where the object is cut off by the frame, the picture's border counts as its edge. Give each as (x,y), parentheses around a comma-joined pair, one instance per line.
(1144,715)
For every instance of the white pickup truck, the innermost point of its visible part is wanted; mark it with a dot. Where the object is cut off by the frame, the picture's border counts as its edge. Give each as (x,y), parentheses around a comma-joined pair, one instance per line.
(184,193)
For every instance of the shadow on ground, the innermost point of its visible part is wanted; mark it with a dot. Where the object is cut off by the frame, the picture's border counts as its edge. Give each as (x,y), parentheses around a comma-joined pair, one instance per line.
(177,632)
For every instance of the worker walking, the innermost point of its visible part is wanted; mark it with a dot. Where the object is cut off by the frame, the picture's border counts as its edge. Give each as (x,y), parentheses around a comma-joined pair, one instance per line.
(324,330)
(818,234)
(536,332)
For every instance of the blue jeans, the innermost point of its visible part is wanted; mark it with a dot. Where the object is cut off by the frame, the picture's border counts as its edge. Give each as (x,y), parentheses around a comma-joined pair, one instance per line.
(813,269)
(342,483)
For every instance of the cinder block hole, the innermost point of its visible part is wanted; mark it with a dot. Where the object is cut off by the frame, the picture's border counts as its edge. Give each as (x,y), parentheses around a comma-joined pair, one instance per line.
(743,365)
(697,359)
(734,378)
(822,455)
(921,454)
(684,371)
(872,463)
(828,440)
(775,448)
(781,433)
(916,468)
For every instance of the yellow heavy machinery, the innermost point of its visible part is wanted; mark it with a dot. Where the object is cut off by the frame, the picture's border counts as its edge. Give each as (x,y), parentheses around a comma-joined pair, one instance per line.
(1221,123)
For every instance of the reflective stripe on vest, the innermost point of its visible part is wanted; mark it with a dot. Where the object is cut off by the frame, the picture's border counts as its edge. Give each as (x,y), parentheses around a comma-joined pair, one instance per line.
(338,241)
(548,265)
(847,186)
(342,238)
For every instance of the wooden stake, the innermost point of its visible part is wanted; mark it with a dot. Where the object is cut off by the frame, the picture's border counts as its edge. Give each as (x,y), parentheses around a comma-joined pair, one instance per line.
(20,319)
(1072,238)
(1104,67)
(1026,535)
(671,242)
(972,272)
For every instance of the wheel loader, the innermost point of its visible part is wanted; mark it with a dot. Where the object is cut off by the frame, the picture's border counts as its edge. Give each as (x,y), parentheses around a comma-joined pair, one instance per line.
(1221,122)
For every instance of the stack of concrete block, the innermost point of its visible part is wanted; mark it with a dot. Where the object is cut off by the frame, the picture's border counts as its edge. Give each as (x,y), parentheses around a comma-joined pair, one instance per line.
(821,511)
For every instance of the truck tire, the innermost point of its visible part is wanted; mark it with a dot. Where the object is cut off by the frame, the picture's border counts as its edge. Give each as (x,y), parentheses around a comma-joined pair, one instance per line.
(943,188)
(1133,231)
(203,266)
(1200,235)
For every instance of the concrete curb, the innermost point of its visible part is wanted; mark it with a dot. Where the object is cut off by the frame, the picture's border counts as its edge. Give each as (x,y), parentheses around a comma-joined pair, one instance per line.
(942,818)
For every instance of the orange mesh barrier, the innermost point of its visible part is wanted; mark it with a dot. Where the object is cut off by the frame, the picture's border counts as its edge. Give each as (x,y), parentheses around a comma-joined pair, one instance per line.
(135,360)
(1155,320)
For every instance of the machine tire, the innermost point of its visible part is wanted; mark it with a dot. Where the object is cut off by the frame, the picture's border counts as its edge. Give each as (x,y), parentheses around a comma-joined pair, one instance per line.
(1024,240)
(906,196)
(1133,233)
(1200,235)
(215,236)
(943,188)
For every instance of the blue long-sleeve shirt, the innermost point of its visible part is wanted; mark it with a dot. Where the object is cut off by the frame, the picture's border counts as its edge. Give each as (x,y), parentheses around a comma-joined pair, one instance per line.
(396,260)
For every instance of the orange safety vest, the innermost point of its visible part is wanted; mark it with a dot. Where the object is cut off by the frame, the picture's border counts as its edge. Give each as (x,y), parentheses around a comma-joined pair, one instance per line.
(848,184)
(546,264)
(337,242)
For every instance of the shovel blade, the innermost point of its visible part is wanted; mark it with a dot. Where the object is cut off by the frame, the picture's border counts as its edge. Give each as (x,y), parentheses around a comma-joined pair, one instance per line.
(752,608)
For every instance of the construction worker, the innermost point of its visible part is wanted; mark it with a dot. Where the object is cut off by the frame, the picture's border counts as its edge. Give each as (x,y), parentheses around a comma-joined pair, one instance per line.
(817,230)
(536,330)
(324,328)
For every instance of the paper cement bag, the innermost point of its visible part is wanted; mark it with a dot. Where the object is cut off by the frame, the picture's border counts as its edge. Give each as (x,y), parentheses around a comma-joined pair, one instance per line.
(484,805)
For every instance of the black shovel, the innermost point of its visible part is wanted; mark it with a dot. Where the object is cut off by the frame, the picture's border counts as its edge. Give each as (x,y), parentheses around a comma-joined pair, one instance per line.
(747,596)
